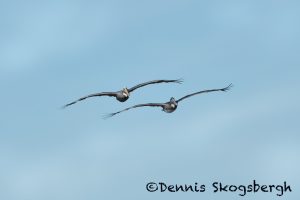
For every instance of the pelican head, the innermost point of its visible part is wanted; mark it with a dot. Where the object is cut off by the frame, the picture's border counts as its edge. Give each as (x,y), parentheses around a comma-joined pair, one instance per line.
(125,92)
(173,100)
(173,103)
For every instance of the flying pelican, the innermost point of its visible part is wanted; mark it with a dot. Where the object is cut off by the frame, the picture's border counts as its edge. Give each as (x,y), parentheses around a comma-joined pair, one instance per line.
(169,106)
(123,94)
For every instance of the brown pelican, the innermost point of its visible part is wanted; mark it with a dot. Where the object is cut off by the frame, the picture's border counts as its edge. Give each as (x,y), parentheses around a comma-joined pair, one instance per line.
(171,105)
(123,94)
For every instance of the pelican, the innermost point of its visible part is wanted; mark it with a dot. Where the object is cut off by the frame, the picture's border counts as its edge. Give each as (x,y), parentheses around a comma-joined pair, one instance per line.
(123,94)
(171,105)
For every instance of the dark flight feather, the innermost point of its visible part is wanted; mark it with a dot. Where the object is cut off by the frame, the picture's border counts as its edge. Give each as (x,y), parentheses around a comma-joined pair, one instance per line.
(136,106)
(111,94)
(154,82)
(205,91)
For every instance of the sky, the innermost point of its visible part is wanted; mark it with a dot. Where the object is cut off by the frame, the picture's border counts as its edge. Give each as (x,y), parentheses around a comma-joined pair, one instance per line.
(53,52)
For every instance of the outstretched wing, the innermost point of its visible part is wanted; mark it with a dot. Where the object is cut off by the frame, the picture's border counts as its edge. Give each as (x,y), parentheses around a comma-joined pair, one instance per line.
(154,82)
(136,106)
(205,91)
(111,94)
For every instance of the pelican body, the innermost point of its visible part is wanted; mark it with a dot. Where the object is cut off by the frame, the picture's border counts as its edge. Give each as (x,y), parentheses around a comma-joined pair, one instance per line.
(122,95)
(170,106)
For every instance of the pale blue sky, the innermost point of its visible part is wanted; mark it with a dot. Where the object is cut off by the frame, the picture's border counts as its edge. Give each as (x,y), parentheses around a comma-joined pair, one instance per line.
(53,52)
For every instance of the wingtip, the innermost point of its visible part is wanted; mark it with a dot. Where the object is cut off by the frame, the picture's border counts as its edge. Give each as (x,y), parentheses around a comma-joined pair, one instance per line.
(107,116)
(64,106)
(180,81)
(228,87)
(69,104)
